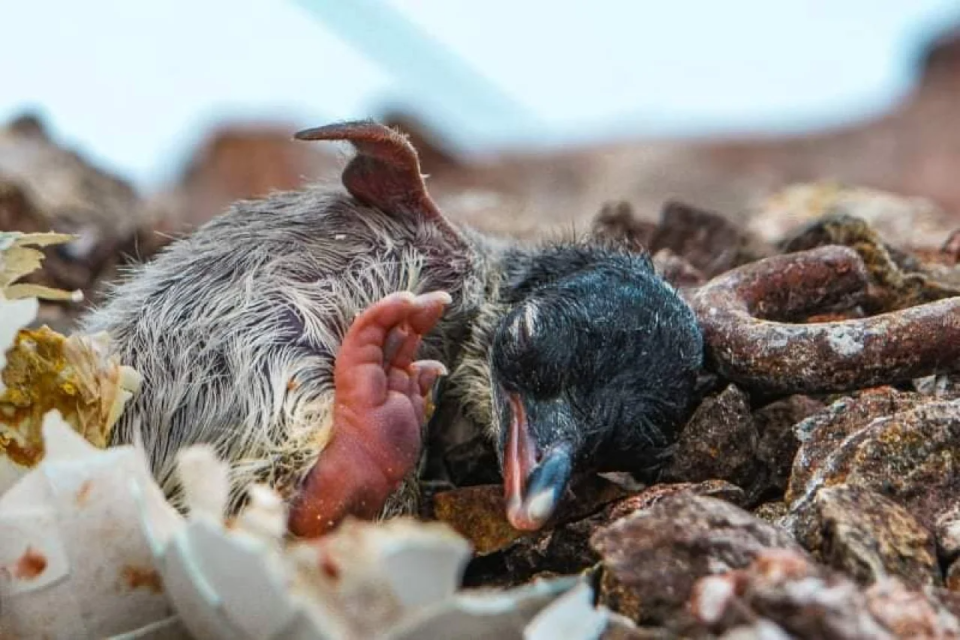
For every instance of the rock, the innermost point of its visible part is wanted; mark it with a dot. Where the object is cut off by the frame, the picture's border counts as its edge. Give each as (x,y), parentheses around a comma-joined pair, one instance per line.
(652,496)
(239,161)
(807,601)
(618,224)
(566,548)
(911,614)
(951,578)
(868,537)
(652,558)
(777,445)
(707,240)
(477,512)
(772,512)
(718,442)
(911,457)
(48,187)
(825,431)
(907,221)
(947,530)
(676,270)
(941,386)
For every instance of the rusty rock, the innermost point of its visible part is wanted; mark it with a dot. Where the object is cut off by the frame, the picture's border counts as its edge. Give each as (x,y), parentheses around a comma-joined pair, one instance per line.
(911,222)
(651,496)
(911,614)
(719,441)
(772,512)
(868,537)
(478,513)
(947,530)
(807,601)
(652,558)
(618,224)
(707,240)
(676,270)
(744,316)
(826,430)
(565,548)
(951,578)
(911,457)
(778,444)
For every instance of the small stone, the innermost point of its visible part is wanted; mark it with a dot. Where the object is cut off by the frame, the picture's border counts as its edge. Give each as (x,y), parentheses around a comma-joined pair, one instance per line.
(911,457)
(707,240)
(910,614)
(653,557)
(477,512)
(618,223)
(676,270)
(809,601)
(565,548)
(718,442)
(772,512)
(868,537)
(951,579)
(940,386)
(825,431)
(947,530)
(651,496)
(778,444)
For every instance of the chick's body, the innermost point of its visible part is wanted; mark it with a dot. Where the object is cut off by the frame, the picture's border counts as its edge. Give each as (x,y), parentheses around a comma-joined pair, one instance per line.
(569,354)
(235,328)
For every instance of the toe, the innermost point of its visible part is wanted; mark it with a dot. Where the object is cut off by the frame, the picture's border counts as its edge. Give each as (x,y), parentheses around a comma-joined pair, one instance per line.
(426,373)
(428,309)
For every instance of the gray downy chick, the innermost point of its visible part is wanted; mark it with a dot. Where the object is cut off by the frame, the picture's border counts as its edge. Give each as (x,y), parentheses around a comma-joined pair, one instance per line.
(301,335)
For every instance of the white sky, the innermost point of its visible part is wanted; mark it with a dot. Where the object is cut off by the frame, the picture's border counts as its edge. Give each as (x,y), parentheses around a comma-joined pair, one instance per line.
(134,82)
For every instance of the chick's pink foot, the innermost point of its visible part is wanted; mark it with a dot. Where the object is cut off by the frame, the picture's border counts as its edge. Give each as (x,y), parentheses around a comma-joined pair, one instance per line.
(380,404)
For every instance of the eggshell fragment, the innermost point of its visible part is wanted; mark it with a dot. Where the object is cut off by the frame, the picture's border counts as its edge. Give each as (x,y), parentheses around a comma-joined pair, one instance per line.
(484,613)
(245,580)
(73,561)
(230,583)
(572,615)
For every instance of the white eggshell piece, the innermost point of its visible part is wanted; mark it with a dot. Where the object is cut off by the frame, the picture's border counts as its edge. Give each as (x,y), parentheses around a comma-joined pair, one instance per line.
(73,519)
(421,564)
(225,584)
(572,616)
(482,614)
(167,629)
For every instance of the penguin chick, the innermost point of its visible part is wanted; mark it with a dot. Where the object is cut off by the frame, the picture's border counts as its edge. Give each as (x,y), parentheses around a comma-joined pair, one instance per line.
(592,369)
(301,334)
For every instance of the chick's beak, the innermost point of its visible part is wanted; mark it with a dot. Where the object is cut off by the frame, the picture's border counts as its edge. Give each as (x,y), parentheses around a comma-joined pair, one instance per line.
(534,480)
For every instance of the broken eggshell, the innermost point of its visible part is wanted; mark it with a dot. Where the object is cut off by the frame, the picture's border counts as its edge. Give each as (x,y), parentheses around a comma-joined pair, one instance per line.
(243,580)
(534,611)
(41,370)
(73,561)
(74,375)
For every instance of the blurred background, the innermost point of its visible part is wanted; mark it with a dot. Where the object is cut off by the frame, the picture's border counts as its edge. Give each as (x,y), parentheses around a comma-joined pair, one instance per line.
(129,123)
